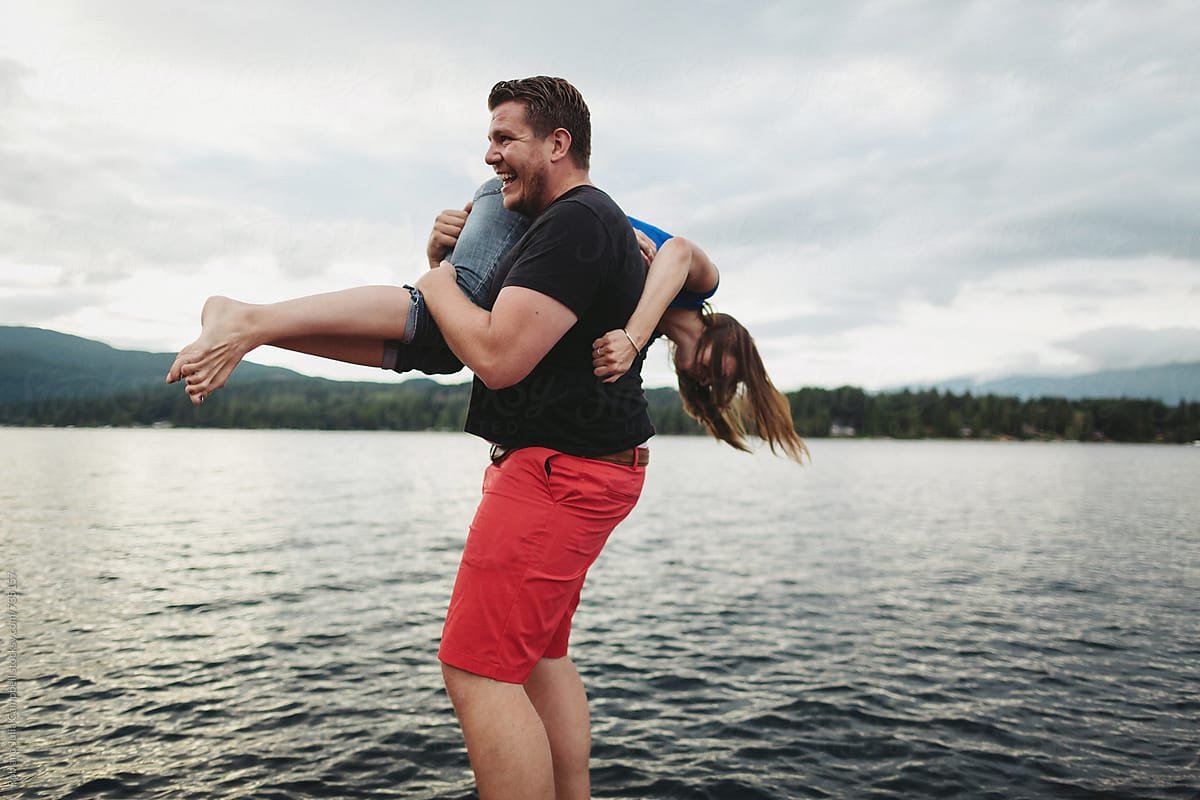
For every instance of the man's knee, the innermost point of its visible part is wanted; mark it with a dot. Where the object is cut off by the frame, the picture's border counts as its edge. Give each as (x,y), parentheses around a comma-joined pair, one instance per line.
(457,681)
(467,687)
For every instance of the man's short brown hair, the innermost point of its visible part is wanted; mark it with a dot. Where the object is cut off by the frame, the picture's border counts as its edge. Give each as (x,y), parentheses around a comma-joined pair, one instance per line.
(550,103)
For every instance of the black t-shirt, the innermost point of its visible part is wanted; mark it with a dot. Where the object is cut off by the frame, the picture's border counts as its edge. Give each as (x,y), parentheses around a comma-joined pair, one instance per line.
(580,251)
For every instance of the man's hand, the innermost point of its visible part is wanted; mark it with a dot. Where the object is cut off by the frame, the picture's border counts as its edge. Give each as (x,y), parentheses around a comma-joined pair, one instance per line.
(442,273)
(446,230)
(613,355)
(646,245)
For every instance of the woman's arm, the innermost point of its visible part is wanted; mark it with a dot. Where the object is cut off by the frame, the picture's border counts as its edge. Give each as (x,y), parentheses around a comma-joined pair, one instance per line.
(678,264)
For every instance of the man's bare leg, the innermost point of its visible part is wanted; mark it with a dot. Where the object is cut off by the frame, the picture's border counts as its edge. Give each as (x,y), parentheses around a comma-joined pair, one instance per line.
(557,694)
(506,741)
(230,329)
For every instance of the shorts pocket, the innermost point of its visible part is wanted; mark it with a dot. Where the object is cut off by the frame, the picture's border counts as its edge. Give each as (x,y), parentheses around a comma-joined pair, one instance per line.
(627,485)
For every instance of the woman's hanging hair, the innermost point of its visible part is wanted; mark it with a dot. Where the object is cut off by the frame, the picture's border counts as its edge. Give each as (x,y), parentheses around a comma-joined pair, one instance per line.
(732,397)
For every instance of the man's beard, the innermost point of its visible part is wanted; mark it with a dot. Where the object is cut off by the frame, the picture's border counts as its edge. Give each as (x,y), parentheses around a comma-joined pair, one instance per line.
(533,189)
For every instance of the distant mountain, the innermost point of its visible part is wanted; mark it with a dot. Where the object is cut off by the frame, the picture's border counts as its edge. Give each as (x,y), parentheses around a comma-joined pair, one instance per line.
(51,378)
(1169,383)
(38,364)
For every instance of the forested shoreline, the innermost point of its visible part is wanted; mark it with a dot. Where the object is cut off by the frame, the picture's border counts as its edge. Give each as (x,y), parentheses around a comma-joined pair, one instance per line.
(906,414)
(426,405)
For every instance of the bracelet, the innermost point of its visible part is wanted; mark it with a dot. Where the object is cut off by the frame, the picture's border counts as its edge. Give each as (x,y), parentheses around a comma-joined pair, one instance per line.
(631,341)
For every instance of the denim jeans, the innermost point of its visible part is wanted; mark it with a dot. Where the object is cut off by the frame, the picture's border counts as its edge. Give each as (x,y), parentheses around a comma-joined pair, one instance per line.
(489,233)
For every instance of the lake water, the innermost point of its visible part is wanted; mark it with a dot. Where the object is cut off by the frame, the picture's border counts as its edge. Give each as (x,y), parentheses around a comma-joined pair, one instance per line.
(220,614)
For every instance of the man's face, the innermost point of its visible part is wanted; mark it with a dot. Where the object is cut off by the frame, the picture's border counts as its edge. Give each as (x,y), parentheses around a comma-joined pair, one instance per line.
(521,160)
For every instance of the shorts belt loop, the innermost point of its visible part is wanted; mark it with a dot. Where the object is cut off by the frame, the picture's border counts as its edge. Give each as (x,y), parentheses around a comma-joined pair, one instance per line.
(499,453)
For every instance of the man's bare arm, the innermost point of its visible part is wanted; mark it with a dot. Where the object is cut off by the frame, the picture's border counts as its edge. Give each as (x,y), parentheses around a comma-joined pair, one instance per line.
(500,346)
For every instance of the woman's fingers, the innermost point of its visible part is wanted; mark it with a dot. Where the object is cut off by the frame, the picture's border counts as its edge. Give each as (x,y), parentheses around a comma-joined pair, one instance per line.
(646,245)
(612,356)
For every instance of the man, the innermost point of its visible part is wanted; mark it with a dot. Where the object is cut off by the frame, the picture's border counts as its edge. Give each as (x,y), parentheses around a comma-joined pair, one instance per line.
(567,462)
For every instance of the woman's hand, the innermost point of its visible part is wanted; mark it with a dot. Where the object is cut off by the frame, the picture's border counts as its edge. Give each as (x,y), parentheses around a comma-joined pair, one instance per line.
(646,245)
(613,355)
(446,229)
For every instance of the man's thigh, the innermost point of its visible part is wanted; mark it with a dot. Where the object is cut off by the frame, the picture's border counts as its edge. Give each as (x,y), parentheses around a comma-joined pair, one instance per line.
(542,522)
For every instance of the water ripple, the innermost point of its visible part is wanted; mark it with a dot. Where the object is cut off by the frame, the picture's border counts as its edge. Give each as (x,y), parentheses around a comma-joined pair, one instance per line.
(899,620)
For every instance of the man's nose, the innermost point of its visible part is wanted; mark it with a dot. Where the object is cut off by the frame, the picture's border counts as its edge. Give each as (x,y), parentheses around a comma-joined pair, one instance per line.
(492,156)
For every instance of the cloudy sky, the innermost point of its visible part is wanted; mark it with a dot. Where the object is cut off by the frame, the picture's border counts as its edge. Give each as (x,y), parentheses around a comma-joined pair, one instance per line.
(895,192)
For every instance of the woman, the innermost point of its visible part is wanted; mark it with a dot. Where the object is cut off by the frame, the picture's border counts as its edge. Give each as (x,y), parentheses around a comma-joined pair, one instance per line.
(722,381)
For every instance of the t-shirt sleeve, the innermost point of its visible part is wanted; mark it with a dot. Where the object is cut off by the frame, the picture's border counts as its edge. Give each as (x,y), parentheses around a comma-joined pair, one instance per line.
(565,256)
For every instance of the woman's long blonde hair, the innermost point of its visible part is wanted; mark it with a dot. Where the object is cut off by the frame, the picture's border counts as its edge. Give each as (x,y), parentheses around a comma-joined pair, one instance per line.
(741,401)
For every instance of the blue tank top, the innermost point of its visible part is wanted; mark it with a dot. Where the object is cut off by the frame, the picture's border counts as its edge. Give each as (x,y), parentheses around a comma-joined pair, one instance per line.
(685,299)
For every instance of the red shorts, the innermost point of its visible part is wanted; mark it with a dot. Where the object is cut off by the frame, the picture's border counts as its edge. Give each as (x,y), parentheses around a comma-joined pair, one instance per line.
(541,523)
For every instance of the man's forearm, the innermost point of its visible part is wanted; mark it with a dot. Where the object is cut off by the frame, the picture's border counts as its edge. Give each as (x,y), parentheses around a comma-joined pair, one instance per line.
(501,346)
(465,326)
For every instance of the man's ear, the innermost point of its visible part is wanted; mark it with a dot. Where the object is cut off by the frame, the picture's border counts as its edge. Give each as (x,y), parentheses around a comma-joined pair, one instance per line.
(560,141)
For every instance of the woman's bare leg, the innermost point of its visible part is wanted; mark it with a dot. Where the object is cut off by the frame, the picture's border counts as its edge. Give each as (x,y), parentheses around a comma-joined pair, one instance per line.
(367,352)
(230,329)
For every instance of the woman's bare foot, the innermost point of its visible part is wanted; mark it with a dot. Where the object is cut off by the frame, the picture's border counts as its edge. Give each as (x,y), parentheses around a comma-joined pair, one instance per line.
(225,338)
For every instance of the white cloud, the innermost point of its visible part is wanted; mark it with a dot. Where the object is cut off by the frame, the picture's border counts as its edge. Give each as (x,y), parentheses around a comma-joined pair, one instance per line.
(892,192)
(1127,346)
